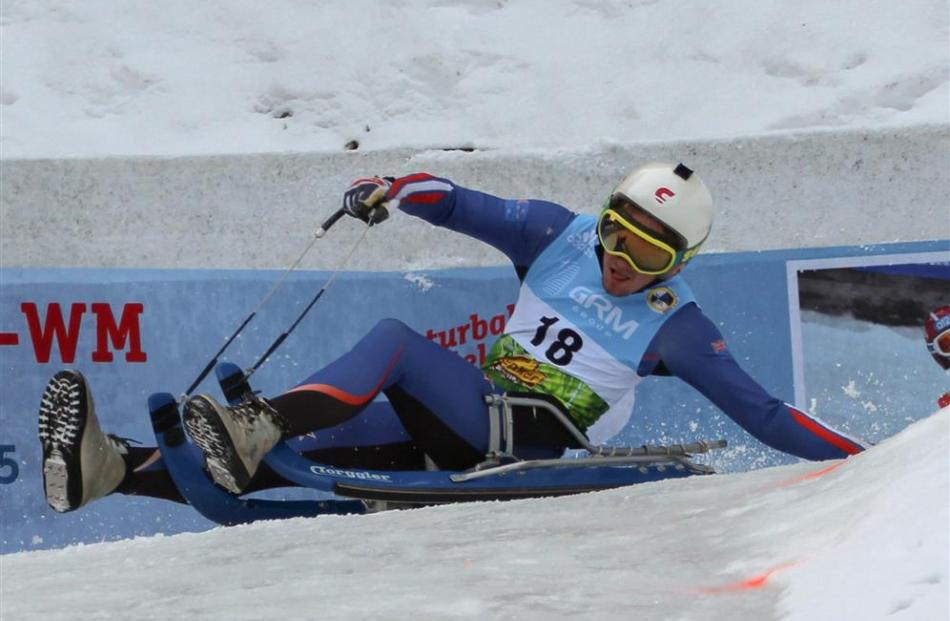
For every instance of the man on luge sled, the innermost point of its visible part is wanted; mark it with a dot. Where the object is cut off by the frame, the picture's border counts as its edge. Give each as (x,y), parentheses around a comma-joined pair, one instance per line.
(601,306)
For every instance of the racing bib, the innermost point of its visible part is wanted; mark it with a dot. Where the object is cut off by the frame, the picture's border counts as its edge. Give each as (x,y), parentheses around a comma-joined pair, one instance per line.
(571,339)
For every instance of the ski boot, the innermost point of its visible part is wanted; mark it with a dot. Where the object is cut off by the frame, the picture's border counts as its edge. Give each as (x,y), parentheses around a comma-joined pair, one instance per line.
(80,462)
(234,439)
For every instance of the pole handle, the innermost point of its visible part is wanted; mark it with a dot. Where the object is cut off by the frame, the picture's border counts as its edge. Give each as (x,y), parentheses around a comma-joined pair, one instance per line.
(329,222)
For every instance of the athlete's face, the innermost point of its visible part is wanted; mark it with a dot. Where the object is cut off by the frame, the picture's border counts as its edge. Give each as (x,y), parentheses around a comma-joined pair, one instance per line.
(619,277)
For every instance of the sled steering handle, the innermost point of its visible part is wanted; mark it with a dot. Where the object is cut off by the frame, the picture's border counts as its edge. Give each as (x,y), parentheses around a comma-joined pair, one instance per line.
(330,222)
(336,216)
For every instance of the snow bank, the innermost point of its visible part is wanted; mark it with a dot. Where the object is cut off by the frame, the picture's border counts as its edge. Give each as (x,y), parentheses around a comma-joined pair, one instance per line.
(256,211)
(865,538)
(180,77)
(886,549)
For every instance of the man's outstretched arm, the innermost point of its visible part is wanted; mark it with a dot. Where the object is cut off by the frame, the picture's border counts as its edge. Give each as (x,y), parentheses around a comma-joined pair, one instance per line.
(521,229)
(692,348)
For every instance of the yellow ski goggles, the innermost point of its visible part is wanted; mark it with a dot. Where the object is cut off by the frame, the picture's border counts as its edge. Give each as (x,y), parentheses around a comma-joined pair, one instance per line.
(644,249)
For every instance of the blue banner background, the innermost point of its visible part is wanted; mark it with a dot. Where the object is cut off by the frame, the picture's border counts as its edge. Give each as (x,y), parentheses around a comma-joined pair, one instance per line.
(189,314)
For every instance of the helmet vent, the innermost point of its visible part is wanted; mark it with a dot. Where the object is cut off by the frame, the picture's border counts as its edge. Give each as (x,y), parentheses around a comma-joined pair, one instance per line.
(682,172)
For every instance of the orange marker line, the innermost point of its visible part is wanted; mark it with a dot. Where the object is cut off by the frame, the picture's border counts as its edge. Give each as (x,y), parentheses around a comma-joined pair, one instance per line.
(756,582)
(811,475)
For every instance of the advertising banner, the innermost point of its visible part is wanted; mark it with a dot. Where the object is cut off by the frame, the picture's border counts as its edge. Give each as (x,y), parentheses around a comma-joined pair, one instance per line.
(834,330)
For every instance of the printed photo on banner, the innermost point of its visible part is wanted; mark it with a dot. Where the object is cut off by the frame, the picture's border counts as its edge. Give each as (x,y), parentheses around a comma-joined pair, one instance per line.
(859,347)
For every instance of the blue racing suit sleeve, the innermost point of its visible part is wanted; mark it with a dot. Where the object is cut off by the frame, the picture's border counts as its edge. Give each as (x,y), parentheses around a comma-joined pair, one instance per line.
(690,347)
(521,229)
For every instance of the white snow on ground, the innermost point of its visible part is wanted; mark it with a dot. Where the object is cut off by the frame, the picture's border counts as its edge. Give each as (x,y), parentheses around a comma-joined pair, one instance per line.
(890,556)
(180,77)
(865,539)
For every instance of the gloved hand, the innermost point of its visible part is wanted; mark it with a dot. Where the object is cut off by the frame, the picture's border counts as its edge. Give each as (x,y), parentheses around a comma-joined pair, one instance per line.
(365,199)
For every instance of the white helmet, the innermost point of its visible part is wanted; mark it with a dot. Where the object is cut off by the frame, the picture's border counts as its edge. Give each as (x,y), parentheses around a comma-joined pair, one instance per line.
(675,196)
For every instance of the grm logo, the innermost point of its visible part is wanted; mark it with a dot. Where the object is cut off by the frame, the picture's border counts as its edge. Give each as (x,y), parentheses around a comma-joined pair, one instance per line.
(609,314)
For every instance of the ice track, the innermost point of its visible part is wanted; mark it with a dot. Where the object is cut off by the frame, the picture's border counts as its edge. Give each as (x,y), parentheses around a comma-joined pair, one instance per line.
(865,539)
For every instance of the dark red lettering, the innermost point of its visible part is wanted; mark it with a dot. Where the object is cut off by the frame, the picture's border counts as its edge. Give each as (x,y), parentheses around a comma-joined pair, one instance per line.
(497,324)
(450,341)
(127,331)
(479,327)
(463,330)
(54,328)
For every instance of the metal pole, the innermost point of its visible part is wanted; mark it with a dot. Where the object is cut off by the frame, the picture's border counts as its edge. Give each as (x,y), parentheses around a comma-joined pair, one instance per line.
(320,232)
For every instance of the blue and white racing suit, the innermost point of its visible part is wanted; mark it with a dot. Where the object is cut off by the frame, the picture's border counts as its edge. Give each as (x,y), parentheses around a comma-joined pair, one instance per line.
(567,338)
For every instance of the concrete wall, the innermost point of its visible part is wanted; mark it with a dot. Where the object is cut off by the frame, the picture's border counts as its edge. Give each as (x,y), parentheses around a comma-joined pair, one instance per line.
(258,211)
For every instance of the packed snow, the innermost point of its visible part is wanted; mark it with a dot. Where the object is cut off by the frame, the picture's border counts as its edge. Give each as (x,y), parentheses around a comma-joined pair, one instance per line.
(100,78)
(865,538)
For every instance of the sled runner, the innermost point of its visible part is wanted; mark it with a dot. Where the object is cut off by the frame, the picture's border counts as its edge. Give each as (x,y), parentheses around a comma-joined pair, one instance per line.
(501,476)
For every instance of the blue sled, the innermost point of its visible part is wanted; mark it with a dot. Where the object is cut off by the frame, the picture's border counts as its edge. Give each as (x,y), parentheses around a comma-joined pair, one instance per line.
(500,477)
(186,467)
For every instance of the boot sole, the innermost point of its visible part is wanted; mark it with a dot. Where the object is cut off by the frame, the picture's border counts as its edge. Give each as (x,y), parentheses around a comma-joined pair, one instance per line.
(208,432)
(62,422)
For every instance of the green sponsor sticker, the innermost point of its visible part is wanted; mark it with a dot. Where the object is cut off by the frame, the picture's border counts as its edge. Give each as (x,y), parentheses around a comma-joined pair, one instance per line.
(512,368)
